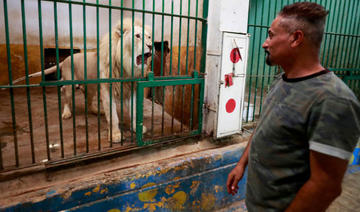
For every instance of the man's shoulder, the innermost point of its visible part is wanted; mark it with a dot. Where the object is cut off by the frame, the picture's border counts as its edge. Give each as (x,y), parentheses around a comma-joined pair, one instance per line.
(329,86)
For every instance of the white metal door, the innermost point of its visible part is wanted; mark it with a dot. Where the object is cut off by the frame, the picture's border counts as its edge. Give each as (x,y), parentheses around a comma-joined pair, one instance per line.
(232,84)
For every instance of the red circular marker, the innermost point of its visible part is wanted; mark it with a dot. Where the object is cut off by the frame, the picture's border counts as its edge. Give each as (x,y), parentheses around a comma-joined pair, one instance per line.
(235,55)
(230,105)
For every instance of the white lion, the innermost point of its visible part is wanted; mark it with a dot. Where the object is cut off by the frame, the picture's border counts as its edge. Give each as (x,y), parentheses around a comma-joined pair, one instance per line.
(126,66)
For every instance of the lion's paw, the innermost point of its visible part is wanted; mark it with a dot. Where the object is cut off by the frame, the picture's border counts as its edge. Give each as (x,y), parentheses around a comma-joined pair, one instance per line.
(116,136)
(66,113)
(144,129)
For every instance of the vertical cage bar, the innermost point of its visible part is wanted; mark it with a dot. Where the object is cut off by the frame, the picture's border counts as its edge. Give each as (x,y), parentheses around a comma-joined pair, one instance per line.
(170,66)
(173,110)
(352,33)
(182,107)
(341,36)
(43,75)
(179,48)
(72,78)
(204,26)
(357,38)
(143,39)
(192,86)
(203,61)
(325,36)
(85,78)
(357,32)
(330,35)
(139,113)
(152,70)
(264,69)
(195,33)
(191,108)
(98,72)
(122,74)
(132,73)
(187,59)
(110,74)
(251,61)
(27,81)
(201,86)
(346,37)
(258,61)
(58,78)
(271,68)
(187,38)
(337,37)
(162,68)
(10,83)
(179,72)
(335,27)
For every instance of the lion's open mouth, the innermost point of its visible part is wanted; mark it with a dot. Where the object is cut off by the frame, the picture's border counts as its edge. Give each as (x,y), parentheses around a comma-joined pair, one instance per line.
(139,58)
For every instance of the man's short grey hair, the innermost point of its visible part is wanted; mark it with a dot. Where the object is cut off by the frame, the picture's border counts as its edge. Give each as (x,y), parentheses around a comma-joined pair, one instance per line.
(305,16)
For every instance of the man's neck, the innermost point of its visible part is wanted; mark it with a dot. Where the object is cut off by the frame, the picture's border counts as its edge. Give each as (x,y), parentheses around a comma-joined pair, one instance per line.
(302,67)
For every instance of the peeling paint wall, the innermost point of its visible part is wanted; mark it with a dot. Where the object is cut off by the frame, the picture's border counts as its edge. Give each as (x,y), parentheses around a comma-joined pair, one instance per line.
(195,182)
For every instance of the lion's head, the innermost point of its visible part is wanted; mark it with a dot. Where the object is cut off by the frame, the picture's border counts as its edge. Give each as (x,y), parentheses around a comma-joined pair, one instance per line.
(122,54)
(142,43)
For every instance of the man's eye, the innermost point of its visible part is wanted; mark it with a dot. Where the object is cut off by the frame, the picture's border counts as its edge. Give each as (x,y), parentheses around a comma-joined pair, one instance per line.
(137,35)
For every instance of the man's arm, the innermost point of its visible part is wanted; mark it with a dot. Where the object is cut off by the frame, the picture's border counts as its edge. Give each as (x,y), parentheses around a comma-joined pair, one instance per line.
(237,173)
(323,186)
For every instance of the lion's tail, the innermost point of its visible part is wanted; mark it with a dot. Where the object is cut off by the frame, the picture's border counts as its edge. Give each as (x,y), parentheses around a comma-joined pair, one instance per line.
(38,74)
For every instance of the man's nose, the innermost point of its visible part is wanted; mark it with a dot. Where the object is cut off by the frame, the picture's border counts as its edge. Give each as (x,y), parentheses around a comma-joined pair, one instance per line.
(265,44)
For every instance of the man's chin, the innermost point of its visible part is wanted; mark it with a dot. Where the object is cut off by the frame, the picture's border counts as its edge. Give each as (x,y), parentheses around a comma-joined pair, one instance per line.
(268,61)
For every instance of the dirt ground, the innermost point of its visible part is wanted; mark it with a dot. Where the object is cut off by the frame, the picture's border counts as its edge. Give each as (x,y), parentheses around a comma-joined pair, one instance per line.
(39,146)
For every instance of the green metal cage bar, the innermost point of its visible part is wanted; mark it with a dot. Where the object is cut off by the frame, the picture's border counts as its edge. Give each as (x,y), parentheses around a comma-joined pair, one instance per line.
(43,78)
(161,66)
(98,73)
(110,76)
(122,74)
(72,78)
(152,70)
(170,66)
(85,78)
(132,72)
(10,82)
(58,77)
(27,81)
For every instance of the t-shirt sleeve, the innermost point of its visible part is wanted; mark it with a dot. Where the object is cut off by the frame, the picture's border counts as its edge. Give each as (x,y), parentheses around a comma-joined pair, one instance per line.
(334,127)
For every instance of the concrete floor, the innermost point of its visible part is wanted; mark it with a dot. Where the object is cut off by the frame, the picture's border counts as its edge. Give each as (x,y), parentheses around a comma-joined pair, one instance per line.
(349,199)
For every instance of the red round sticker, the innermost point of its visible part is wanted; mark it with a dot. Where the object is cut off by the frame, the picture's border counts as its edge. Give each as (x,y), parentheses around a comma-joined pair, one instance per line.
(235,55)
(230,105)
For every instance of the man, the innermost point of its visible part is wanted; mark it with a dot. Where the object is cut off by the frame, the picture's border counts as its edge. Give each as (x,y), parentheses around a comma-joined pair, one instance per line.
(299,152)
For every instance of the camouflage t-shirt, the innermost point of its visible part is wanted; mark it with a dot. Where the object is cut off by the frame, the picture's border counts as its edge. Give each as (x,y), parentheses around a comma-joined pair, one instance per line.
(317,112)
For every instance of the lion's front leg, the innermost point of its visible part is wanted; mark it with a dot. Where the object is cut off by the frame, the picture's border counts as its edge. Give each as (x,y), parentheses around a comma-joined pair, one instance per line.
(105,98)
(128,105)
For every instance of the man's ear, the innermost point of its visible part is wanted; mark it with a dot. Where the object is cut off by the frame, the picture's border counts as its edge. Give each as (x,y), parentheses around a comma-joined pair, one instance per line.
(297,38)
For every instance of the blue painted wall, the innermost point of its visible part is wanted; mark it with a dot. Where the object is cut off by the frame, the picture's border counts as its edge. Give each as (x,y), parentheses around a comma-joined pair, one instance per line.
(195,183)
